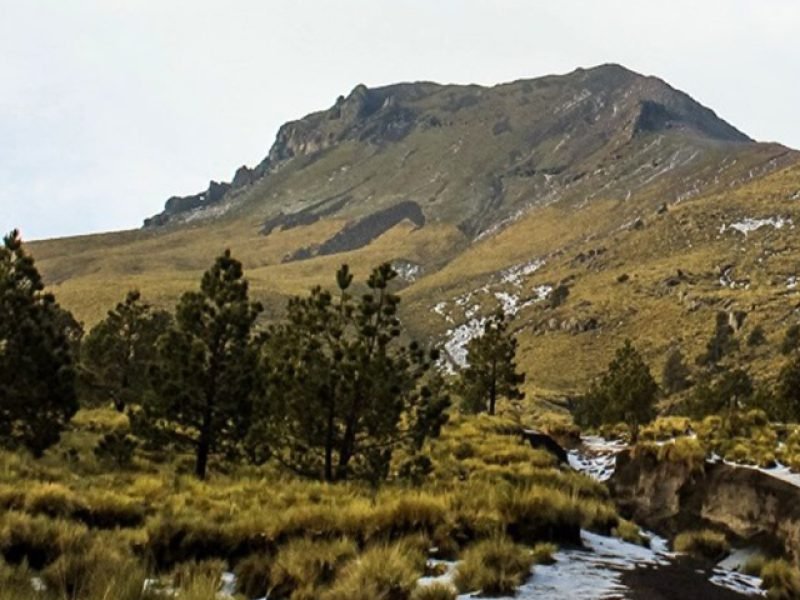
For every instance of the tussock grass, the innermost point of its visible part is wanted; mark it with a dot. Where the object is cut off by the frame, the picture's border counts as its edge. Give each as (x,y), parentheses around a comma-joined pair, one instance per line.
(72,524)
(494,567)
(434,591)
(383,571)
(781,580)
(704,544)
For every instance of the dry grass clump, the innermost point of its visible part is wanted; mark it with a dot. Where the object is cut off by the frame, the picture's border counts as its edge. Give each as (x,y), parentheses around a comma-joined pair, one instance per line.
(303,566)
(434,591)
(385,571)
(535,514)
(544,553)
(704,544)
(631,533)
(494,567)
(781,580)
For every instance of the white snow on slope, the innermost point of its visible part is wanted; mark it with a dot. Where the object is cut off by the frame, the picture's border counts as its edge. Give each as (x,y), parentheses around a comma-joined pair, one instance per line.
(748,225)
(515,274)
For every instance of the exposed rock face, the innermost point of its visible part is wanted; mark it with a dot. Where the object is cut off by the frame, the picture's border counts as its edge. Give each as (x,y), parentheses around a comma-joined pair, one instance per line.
(669,496)
(182,204)
(359,233)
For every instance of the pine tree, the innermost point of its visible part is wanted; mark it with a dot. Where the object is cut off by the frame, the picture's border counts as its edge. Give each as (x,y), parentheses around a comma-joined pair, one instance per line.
(37,378)
(492,371)
(204,376)
(342,391)
(117,354)
(791,340)
(787,392)
(675,377)
(721,343)
(732,389)
(625,393)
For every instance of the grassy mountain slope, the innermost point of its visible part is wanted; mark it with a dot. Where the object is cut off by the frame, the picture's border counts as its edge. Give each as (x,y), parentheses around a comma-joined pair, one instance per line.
(600,175)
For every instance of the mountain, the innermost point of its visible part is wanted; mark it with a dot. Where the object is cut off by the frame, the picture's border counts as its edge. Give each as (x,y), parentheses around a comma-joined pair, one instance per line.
(650,210)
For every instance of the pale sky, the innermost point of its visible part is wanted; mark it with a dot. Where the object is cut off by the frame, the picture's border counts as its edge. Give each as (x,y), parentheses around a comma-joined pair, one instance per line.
(108,107)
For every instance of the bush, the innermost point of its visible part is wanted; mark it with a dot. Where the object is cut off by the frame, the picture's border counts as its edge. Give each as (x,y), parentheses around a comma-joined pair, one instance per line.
(388,572)
(434,591)
(781,580)
(494,567)
(704,544)
(116,448)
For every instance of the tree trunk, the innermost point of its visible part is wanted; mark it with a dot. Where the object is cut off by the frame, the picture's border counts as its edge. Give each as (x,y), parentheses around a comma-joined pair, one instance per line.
(329,443)
(202,458)
(493,389)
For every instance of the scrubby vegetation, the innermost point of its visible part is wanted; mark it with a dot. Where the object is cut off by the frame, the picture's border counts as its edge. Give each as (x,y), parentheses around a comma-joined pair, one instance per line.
(705,544)
(781,580)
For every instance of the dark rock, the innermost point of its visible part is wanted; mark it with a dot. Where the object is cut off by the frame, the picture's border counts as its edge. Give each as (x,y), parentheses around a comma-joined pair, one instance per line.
(542,441)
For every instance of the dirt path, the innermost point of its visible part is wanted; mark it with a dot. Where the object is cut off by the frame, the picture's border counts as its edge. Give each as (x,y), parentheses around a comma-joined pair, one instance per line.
(679,580)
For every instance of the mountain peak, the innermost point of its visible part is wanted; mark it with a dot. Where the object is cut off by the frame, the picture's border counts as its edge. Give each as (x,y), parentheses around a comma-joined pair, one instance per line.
(495,150)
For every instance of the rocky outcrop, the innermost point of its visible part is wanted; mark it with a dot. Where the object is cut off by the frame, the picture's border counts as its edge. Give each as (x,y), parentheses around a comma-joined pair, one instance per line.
(671,495)
(358,234)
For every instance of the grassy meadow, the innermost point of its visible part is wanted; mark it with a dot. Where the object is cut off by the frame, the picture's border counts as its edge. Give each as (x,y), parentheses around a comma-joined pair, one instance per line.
(81,528)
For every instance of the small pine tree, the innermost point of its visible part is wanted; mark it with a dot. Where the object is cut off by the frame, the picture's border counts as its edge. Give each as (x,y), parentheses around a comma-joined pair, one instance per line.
(757,337)
(558,296)
(492,371)
(787,391)
(117,354)
(625,393)
(204,376)
(721,343)
(675,376)
(791,340)
(37,378)
(731,390)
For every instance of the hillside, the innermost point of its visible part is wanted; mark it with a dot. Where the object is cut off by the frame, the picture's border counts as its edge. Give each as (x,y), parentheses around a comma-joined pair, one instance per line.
(653,211)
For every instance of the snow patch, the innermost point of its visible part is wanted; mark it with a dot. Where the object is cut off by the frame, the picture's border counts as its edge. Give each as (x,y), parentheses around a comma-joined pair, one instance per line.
(407,270)
(515,274)
(455,346)
(597,458)
(748,225)
(591,573)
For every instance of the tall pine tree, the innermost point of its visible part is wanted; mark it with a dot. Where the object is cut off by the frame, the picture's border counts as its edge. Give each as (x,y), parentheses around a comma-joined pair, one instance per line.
(625,393)
(37,378)
(117,354)
(343,390)
(204,376)
(492,371)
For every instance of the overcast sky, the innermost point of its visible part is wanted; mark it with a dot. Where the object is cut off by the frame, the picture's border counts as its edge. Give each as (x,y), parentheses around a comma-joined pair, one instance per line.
(107,107)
